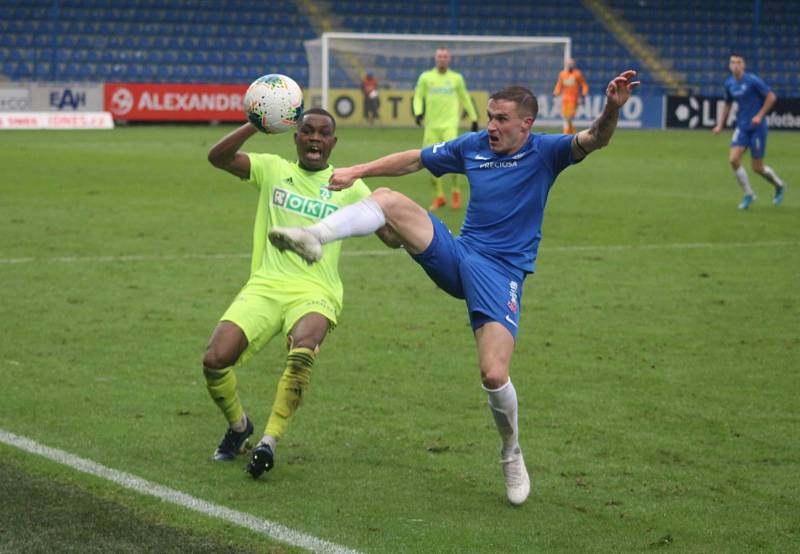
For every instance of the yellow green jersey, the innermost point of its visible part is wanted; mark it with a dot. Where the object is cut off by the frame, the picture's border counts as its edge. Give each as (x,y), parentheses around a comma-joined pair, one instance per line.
(290,196)
(441,96)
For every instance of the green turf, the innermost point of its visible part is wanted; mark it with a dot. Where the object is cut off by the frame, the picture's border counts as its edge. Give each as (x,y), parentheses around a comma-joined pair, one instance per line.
(46,511)
(657,364)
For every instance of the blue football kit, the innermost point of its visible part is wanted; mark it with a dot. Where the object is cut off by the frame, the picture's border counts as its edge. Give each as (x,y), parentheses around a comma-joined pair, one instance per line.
(749,93)
(487,264)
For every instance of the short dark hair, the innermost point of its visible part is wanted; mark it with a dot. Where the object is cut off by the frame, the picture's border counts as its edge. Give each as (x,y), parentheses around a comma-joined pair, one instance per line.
(523,97)
(736,55)
(320,111)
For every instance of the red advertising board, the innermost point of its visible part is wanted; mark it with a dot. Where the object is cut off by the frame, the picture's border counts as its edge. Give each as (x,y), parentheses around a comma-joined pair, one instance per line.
(174,102)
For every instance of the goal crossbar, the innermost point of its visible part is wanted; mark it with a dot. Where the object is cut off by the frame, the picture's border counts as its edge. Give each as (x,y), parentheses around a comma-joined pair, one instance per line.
(499,43)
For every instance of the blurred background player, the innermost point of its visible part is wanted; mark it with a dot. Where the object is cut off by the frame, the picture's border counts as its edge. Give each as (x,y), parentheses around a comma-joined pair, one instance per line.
(369,86)
(283,294)
(439,97)
(571,86)
(753,99)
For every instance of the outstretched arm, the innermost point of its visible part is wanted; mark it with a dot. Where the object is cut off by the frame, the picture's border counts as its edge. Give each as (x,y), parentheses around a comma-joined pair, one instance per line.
(226,155)
(599,134)
(393,165)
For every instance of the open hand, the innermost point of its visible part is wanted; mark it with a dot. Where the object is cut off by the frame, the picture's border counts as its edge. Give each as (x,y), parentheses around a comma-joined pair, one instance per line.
(621,87)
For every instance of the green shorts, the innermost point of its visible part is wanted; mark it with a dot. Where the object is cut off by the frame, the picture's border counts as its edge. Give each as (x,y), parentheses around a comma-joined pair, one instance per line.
(434,136)
(262,310)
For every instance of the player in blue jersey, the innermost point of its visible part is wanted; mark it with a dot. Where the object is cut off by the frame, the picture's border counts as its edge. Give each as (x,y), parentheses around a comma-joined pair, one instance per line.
(510,172)
(754,99)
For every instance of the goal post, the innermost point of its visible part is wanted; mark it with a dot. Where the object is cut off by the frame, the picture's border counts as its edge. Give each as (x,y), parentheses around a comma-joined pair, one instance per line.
(488,63)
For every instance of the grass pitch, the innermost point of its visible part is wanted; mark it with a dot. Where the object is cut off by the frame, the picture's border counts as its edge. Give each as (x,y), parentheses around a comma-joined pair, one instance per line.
(657,363)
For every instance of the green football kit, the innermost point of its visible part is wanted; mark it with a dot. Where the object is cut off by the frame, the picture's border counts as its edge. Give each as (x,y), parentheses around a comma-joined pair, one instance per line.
(441,97)
(282,287)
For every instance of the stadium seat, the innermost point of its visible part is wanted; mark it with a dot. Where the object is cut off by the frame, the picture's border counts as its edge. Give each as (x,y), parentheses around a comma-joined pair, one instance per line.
(694,36)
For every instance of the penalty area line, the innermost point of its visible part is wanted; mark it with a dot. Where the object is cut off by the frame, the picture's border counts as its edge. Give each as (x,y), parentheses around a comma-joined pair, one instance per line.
(262,526)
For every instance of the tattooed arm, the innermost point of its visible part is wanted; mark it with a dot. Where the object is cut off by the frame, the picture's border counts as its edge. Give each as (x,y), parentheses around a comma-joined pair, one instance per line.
(599,134)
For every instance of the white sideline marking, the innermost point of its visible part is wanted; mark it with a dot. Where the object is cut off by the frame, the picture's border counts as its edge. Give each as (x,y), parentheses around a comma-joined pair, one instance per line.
(673,246)
(143,486)
(389,251)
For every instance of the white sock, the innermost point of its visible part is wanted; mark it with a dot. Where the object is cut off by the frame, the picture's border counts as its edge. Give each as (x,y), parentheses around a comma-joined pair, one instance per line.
(503,405)
(356,220)
(772,177)
(270,440)
(741,176)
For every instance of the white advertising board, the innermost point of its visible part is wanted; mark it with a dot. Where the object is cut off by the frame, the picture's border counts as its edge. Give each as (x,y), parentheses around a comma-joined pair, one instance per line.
(55,120)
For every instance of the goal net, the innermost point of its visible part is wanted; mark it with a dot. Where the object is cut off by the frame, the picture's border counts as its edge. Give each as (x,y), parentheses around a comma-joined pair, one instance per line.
(488,63)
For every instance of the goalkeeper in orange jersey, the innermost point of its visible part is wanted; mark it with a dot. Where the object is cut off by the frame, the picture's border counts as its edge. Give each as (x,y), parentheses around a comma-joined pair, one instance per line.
(571,86)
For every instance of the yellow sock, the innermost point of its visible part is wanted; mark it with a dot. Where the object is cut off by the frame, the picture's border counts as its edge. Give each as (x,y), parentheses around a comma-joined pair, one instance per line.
(291,386)
(221,385)
(437,185)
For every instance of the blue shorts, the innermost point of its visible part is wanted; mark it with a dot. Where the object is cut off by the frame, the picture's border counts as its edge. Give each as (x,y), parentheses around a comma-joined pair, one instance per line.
(493,290)
(754,138)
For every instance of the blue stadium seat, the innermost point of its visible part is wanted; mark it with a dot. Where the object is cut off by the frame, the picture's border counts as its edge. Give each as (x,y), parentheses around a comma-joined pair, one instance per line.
(156,37)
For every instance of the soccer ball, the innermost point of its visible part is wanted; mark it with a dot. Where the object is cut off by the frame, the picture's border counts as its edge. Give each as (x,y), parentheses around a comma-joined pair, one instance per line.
(273,103)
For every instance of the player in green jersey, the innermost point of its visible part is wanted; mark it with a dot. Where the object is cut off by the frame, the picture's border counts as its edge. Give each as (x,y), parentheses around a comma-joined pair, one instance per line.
(439,97)
(283,294)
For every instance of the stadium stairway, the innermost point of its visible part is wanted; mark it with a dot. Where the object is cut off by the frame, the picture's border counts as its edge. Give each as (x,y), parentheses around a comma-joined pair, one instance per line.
(323,21)
(598,53)
(673,81)
(317,15)
(699,35)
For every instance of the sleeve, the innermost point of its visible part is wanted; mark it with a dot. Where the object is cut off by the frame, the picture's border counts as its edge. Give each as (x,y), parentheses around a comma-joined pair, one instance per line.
(466,100)
(557,90)
(419,94)
(728,96)
(558,151)
(762,87)
(445,157)
(262,166)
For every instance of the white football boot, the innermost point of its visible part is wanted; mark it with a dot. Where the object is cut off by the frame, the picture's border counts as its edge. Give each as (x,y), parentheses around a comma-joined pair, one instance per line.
(518,484)
(298,240)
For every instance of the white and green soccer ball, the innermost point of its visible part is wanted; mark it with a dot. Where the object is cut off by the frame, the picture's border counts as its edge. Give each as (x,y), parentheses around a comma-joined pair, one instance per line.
(273,103)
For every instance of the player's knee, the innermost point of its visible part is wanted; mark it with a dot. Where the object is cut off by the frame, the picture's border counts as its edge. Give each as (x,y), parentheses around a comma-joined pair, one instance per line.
(735,162)
(304,342)
(383,195)
(392,202)
(494,376)
(216,359)
(758,166)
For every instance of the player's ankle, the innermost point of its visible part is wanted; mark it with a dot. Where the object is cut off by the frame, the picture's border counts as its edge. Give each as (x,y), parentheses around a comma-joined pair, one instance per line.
(240,425)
